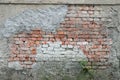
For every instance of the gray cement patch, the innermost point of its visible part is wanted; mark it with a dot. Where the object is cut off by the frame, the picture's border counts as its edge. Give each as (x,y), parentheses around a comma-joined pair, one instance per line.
(46,19)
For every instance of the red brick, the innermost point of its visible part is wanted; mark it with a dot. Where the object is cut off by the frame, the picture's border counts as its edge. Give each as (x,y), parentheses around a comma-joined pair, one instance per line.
(16,58)
(32,43)
(27,58)
(22,59)
(28,45)
(33,51)
(63,43)
(52,39)
(16,38)
(44,42)
(60,32)
(37,42)
(33,38)
(85,25)
(39,38)
(15,52)
(67,42)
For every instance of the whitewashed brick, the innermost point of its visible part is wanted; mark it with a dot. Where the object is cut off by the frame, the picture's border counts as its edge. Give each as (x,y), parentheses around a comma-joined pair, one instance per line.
(82,43)
(96,13)
(59,49)
(103,19)
(45,45)
(58,42)
(90,19)
(71,15)
(64,46)
(24,48)
(84,15)
(46,52)
(70,46)
(43,49)
(32,55)
(96,19)
(18,42)
(39,50)
(51,52)
(84,12)
(50,48)
(75,49)
(55,45)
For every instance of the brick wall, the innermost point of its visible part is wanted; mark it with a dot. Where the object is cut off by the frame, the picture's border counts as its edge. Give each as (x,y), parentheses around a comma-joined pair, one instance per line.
(81,36)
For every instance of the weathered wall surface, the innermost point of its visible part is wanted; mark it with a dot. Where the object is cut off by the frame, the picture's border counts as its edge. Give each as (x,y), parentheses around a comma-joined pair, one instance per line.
(39,41)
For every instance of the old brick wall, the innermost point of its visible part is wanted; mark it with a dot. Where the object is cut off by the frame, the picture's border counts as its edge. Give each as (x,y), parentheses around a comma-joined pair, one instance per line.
(81,29)
(50,40)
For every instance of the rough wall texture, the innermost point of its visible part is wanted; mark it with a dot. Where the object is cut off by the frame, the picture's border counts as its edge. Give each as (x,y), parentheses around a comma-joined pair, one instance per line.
(48,20)
(37,42)
(74,33)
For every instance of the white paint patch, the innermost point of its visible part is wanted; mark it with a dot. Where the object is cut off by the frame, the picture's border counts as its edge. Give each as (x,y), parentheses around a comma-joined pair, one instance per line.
(55,51)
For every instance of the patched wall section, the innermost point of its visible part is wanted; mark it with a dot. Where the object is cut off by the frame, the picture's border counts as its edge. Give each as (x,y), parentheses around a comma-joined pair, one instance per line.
(47,19)
(10,10)
(72,33)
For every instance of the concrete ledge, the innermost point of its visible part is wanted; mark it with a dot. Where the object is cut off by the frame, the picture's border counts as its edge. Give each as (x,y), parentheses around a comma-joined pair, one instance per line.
(59,1)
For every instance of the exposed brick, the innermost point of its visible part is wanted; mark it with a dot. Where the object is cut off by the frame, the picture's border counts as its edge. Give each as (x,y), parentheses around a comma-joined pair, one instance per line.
(81,28)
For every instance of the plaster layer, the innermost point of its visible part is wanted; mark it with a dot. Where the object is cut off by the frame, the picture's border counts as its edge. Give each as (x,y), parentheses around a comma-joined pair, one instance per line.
(46,19)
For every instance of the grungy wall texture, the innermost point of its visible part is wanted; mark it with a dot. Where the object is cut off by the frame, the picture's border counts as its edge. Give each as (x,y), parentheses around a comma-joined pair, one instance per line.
(48,41)
(69,35)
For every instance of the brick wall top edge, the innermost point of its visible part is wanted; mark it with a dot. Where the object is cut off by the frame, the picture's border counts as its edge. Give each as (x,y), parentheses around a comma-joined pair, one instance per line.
(60,1)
